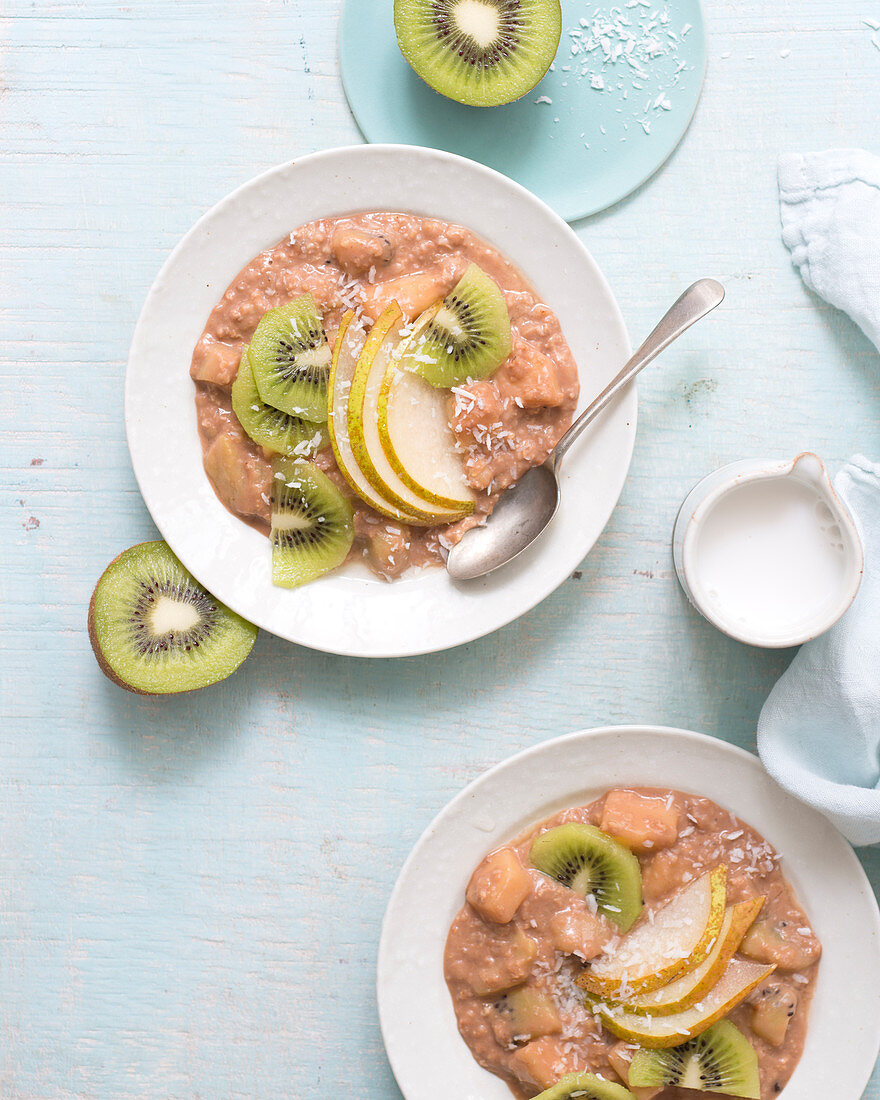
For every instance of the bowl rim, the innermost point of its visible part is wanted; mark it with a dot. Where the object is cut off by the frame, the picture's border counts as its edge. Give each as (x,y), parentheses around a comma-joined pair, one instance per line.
(622,418)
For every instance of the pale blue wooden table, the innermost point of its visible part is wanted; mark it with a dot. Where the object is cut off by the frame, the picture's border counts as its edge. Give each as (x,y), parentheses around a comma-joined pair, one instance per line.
(191,890)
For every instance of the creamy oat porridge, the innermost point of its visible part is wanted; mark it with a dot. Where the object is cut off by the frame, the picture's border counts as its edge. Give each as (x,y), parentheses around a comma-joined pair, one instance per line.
(659,927)
(499,423)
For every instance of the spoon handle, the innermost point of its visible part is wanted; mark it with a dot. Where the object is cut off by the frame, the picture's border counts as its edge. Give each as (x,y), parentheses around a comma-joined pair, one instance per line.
(695,303)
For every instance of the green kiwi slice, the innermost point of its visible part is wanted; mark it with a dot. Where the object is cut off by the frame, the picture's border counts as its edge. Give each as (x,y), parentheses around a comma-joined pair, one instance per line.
(589,861)
(467,335)
(156,631)
(291,359)
(479,52)
(271,428)
(585,1086)
(721,1059)
(312,523)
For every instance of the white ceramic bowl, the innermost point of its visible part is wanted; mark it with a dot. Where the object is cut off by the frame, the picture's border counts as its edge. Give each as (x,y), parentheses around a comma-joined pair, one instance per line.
(351,612)
(430,1059)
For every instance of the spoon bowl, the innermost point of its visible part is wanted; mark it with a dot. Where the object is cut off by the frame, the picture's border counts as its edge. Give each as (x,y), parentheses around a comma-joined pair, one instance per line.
(525,509)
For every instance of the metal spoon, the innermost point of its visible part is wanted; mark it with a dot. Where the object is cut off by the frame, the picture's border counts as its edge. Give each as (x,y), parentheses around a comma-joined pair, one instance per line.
(525,509)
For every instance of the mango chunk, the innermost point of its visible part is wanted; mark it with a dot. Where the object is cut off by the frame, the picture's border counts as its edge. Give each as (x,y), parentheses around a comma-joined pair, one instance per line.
(217,363)
(531,378)
(507,962)
(642,822)
(413,293)
(540,1063)
(579,932)
(242,480)
(357,251)
(499,886)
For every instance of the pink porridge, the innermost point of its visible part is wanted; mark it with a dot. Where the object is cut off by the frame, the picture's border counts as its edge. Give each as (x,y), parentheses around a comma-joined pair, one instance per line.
(502,426)
(522,930)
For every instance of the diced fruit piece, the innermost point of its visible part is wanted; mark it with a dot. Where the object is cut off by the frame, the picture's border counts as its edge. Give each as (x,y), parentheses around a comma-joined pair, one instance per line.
(269,427)
(523,1014)
(346,350)
(507,962)
(774,1005)
(413,293)
(677,939)
(242,480)
(642,822)
(363,426)
(357,251)
(620,1057)
(721,1059)
(217,364)
(467,335)
(782,943)
(592,864)
(290,358)
(479,52)
(418,441)
(737,982)
(499,886)
(540,1063)
(585,1086)
(578,932)
(311,529)
(156,631)
(387,545)
(685,991)
(531,378)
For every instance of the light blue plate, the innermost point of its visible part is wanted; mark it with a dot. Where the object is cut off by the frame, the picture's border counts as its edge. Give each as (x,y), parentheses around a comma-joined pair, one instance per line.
(611,123)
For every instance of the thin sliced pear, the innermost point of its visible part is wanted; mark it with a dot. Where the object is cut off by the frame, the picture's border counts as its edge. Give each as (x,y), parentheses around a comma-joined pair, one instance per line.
(657,1032)
(363,425)
(674,941)
(418,441)
(692,986)
(345,356)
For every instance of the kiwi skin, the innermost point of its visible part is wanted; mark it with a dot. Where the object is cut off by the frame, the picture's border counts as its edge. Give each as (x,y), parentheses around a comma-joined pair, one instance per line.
(99,655)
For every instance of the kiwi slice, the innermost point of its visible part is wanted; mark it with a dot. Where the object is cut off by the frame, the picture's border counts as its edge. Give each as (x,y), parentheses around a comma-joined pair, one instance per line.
(271,428)
(585,1086)
(312,528)
(156,631)
(291,358)
(479,52)
(589,861)
(467,335)
(721,1059)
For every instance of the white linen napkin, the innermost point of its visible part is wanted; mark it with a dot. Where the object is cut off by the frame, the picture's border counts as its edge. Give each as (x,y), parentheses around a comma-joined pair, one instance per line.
(831,222)
(819,731)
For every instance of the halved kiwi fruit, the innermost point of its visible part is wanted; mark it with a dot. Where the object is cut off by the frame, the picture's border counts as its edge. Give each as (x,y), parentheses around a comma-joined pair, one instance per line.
(585,1086)
(479,52)
(291,358)
(721,1059)
(466,335)
(312,529)
(156,631)
(269,427)
(589,861)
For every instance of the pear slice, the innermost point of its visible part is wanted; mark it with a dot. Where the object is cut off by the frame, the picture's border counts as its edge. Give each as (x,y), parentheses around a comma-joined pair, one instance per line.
(418,441)
(685,991)
(345,356)
(663,945)
(657,1032)
(363,426)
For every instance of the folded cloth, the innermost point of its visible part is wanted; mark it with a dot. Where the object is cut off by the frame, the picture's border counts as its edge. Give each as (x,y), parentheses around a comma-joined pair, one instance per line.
(831,222)
(819,731)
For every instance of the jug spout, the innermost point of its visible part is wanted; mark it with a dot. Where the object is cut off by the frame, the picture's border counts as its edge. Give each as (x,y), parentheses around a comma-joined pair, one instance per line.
(809,468)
